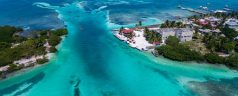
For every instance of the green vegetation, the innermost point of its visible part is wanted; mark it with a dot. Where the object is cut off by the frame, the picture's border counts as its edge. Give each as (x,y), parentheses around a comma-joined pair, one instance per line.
(172,24)
(52,50)
(14,47)
(180,52)
(214,58)
(175,51)
(213,47)
(13,67)
(54,40)
(172,40)
(229,33)
(42,61)
(219,43)
(152,36)
(7,33)
(232,60)
(26,49)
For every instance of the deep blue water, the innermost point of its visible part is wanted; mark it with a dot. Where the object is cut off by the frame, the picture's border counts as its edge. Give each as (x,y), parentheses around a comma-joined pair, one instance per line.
(24,13)
(104,65)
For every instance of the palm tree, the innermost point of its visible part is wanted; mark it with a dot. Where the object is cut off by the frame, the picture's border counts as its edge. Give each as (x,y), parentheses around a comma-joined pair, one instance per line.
(120,31)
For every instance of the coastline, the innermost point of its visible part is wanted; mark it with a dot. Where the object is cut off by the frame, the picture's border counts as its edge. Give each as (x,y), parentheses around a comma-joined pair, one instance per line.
(106,66)
(151,51)
(50,56)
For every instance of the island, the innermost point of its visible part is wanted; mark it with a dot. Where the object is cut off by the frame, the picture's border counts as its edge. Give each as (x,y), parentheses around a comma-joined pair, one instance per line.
(19,52)
(210,38)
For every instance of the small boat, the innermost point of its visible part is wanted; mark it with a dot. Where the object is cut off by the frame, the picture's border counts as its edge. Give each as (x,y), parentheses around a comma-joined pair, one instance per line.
(220,11)
(204,7)
(226,8)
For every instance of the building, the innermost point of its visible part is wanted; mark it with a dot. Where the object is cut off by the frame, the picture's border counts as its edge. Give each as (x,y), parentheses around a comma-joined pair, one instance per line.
(127,32)
(213,19)
(232,23)
(183,34)
(165,33)
(203,22)
(208,31)
(214,22)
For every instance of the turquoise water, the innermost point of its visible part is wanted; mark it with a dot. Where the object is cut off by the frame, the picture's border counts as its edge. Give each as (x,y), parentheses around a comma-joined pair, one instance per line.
(106,66)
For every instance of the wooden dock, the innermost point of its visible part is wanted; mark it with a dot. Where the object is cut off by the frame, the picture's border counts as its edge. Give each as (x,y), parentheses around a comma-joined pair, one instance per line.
(191,10)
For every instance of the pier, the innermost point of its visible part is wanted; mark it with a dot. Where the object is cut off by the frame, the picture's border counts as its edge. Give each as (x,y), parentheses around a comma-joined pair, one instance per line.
(190,10)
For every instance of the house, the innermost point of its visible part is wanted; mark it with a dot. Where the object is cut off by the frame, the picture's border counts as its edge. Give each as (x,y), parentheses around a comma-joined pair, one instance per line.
(183,34)
(232,23)
(165,33)
(203,22)
(127,32)
(207,31)
(213,19)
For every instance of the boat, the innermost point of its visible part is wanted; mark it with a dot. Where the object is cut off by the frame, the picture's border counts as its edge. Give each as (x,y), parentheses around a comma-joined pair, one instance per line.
(220,11)
(203,7)
(226,8)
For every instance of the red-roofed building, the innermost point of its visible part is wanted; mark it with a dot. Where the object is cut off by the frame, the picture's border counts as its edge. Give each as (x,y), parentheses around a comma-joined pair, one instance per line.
(127,31)
(203,22)
(157,43)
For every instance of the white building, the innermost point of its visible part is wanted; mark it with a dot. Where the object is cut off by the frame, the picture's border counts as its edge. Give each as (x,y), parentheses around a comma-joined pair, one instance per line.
(183,34)
(232,23)
(213,19)
(166,32)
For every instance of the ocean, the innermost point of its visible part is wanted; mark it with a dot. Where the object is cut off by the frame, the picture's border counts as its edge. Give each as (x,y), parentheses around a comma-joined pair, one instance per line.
(104,65)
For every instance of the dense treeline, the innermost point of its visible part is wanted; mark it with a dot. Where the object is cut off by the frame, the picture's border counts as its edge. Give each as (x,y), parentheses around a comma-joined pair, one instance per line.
(179,52)
(26,49)
(176,51)
(219,43)
(152,36)
(11,50)
(7,33)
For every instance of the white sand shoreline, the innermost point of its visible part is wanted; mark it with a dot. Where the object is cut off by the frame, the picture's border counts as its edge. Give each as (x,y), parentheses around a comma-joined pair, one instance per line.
(138,41)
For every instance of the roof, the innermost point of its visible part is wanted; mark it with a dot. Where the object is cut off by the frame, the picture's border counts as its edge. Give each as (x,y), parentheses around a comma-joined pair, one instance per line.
(127,31)
(232,22)
(213,19)
(183,29)
(156,43)
(203,21)
(165,30)
(174,29)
